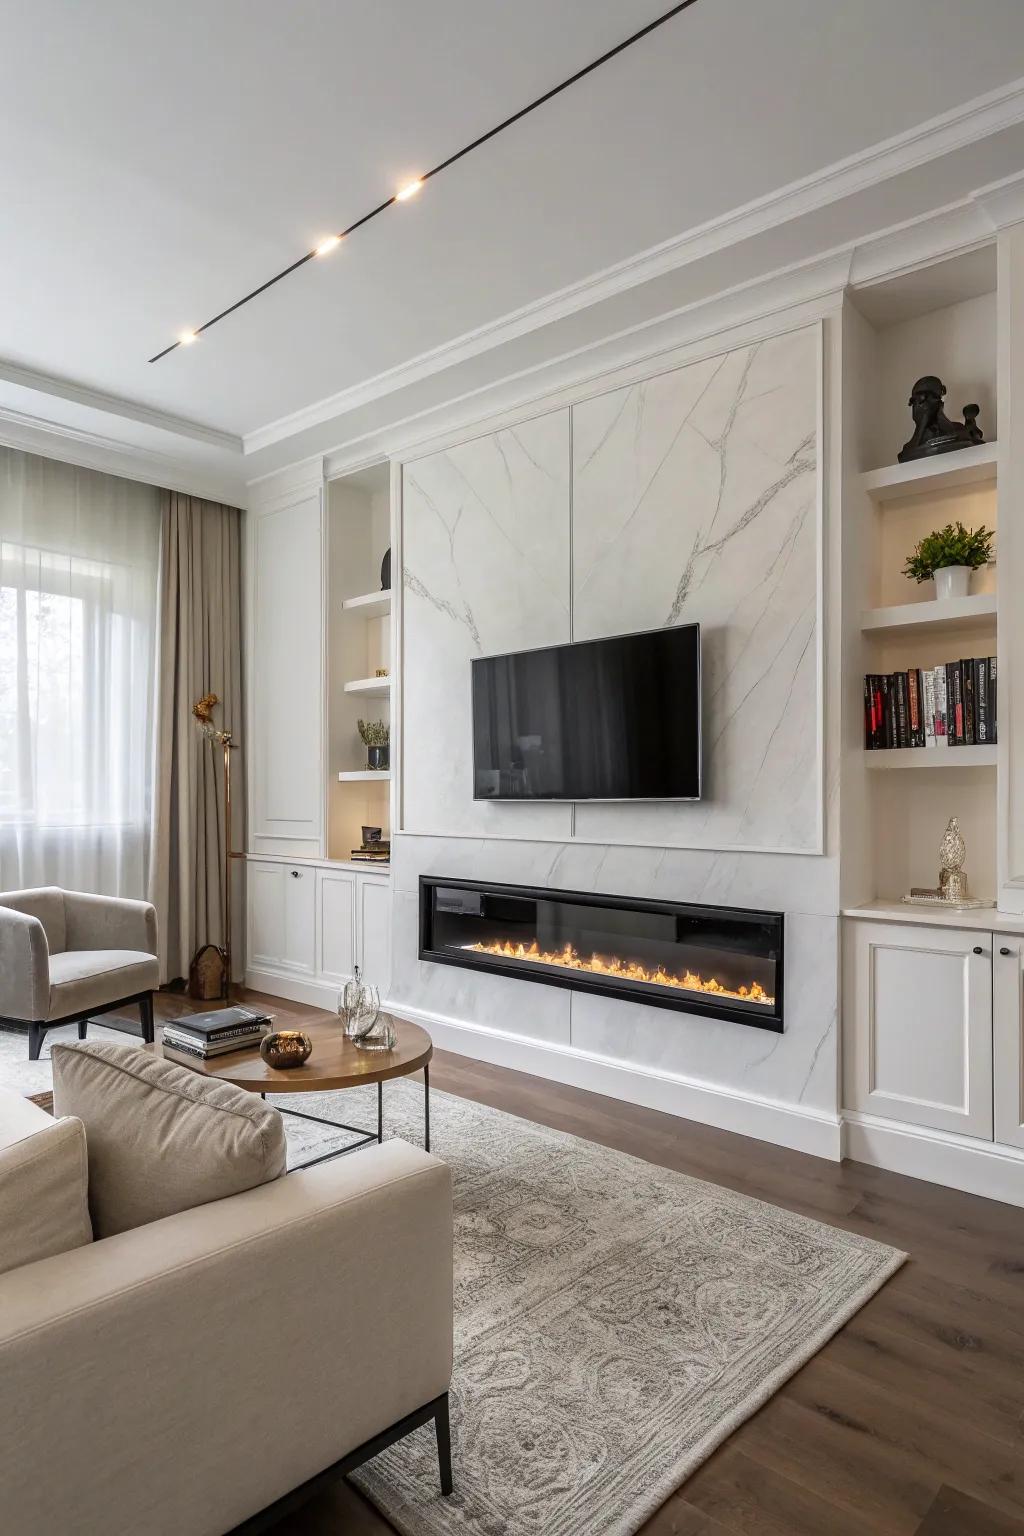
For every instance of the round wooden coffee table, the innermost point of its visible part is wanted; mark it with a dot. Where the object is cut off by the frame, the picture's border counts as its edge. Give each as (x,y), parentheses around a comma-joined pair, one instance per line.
(334,1063)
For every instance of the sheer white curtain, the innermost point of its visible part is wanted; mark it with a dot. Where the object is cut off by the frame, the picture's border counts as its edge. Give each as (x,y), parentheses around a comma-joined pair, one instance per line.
(79,553)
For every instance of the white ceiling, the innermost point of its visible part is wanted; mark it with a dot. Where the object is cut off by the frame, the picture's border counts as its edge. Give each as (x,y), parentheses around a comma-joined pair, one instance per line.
(161,159)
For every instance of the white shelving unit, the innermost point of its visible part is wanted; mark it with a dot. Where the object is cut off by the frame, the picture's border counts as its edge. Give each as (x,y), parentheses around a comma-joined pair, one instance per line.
(365,776)
(931,757)
(966,466)
(370,687)
(914,618)
(371,605)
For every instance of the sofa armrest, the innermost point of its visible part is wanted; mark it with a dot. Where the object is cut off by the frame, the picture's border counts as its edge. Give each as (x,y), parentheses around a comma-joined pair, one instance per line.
(194,1370)
(24,966)
(109,922)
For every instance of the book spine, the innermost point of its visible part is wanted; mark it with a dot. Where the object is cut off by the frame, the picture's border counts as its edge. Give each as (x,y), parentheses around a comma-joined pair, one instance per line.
(888,710)
(981,699)
(970,727)
(181,1028)
(928,685)
(914,709)
(955,705)
(902,711)
(939,685)
(993,695)
(869,715)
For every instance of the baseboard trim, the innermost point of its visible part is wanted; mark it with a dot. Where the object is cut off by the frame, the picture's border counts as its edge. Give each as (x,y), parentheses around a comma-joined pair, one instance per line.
(940,1157)
(786,1125)
(297,989)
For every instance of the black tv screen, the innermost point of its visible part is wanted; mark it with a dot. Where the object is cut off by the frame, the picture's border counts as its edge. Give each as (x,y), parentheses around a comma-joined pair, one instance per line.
(615,719)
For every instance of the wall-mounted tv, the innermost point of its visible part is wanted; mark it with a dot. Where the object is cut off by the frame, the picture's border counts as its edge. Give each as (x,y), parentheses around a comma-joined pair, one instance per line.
(615,719)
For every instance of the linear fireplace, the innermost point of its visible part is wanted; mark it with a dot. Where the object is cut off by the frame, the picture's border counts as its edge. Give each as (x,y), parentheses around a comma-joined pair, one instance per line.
(722,961)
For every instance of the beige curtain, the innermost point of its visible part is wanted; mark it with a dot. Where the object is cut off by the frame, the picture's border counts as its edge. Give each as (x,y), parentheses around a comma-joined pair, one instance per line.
(199,652)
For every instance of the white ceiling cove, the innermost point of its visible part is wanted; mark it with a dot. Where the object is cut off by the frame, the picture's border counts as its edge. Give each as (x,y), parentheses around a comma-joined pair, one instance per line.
(162,160)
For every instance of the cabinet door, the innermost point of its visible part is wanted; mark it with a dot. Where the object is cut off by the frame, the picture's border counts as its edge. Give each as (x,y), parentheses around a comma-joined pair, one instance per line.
(917,1025)
(265,887)
(286,735)
(299,918)
(1008,1037)
(336,924)
(375,932)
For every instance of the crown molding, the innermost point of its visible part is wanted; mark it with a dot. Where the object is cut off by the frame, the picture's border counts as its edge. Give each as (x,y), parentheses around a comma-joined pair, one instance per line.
(90,450)
(116,405)
(952,130)
(1002,202)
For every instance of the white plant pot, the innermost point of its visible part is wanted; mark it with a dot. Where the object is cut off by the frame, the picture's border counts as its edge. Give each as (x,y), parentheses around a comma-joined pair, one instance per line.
(952,581)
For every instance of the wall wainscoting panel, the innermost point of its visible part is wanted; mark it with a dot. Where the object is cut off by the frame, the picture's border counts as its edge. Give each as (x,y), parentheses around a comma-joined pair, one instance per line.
(485,533)
(695,498)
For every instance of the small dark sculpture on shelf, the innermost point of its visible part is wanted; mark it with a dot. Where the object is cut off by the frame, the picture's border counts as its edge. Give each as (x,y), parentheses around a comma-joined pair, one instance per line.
(385,571)
(933,430)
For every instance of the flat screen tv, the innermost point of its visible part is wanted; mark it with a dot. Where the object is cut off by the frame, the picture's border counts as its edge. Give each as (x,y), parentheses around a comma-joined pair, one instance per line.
(615,719)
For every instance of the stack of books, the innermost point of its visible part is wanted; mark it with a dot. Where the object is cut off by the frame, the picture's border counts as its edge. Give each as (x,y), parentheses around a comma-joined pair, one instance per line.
(207,1035)
(949,706)
(372,853)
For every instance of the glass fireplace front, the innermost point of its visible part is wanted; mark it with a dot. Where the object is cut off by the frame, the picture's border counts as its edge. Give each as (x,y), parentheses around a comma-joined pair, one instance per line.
(723,961)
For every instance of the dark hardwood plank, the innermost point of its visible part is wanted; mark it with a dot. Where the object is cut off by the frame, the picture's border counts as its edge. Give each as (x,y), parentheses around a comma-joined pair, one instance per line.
(910,1422)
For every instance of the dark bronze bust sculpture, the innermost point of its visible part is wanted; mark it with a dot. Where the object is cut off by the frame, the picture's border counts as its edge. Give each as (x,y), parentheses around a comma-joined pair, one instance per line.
(933,430)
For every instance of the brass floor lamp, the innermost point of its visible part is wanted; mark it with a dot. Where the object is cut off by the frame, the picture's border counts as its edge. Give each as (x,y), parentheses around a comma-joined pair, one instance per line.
(203,712)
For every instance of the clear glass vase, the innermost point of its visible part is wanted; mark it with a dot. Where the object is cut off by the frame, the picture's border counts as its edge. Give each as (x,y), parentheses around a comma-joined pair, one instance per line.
(350,1004)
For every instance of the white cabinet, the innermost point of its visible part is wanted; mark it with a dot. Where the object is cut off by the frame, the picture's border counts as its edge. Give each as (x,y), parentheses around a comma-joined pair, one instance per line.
(1008,1025)
(336,924)
(286,650)
(918,1025)
(374,928)
(281,917)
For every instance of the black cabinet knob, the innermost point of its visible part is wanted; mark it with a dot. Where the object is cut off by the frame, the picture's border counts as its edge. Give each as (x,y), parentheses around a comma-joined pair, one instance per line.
(1004,951)
(978,949)
(297,875)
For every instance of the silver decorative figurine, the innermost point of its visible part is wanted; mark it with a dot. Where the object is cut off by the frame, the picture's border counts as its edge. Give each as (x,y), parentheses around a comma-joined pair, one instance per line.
(952,853)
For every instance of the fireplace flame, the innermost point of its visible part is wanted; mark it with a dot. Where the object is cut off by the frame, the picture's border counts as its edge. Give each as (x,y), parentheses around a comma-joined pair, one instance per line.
(622,970)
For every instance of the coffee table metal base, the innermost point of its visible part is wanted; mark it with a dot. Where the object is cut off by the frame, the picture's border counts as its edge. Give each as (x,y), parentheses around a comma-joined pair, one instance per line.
(365,1136)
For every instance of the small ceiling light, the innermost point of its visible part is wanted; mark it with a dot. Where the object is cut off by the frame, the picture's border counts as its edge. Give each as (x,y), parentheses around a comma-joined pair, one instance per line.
(327,246)
(187,337)
(409,190)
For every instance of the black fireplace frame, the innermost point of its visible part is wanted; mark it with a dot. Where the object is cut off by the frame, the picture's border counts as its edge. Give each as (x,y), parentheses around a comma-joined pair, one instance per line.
(582,981)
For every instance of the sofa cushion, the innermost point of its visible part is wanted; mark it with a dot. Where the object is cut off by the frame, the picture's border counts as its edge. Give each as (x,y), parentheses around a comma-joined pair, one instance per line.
(47,904)
(43,1184)
(162,1138)
(91,978)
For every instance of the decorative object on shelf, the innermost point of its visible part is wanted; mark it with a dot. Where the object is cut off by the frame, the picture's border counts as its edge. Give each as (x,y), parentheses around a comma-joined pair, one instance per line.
(933,430)
(207,975)
(949,555)
(952,887)
(286,1048)
(203,710)
(371,835)
(381,672)
(376,738)
(380,1036)
(385,571)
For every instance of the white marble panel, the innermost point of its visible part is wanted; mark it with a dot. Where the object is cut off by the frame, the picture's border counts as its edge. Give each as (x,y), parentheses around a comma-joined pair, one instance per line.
(695,498)
(798,1066)
(455,992)
(486,569)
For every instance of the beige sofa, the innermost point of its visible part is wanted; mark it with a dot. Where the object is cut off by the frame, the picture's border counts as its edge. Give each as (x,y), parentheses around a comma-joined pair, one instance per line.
(66,955)
(180,1378)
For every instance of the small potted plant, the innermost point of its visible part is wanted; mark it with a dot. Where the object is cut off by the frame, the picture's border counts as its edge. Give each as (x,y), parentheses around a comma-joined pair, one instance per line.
(376,737)
(949,556)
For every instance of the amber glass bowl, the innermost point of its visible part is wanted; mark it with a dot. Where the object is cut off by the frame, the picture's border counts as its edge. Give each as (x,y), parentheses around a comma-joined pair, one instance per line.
(286,1048)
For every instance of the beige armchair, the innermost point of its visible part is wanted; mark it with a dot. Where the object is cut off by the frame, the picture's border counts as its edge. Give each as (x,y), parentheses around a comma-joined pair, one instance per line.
(66,956)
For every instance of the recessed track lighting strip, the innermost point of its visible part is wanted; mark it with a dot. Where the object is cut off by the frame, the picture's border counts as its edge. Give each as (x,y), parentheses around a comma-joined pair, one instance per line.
(413,187)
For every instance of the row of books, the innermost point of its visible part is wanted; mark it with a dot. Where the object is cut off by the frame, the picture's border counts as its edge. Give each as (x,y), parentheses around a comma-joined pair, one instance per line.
(948,706)
(206,1035)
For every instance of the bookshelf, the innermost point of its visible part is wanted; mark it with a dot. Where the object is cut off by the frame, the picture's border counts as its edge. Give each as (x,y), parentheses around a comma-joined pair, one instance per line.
(882,758)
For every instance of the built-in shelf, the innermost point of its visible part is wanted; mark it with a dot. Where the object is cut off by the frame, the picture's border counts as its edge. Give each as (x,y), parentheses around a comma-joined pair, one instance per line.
(937,917)
(372,605)
(909,618)
(966,466)
(931,757)
(371,687)
(365,776)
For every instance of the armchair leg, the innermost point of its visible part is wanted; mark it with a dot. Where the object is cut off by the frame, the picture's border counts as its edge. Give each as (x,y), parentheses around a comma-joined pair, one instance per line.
(442,1426)
(83,1029)
(35,1040)
(146,1015)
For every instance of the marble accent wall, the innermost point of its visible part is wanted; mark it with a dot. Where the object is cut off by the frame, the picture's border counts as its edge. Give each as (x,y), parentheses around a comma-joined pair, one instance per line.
(695,499)
(485,531)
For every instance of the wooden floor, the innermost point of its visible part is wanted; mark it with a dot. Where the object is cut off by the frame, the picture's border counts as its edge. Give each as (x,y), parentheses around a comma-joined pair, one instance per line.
(910,1422)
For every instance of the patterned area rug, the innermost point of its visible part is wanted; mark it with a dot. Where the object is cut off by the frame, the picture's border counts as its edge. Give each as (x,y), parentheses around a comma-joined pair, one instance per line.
(615,1321)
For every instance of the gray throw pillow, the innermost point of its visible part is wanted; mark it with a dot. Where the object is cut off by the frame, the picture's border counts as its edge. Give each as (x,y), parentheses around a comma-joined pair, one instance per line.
(161,1138)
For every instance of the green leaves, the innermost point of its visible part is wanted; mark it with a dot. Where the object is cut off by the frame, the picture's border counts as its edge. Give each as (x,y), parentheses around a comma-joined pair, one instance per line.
(952,545)
(374,733)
